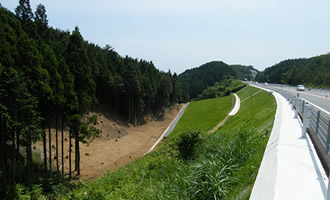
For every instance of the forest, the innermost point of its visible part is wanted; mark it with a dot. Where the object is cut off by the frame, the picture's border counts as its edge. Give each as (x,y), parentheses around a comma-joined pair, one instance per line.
(200,78)
(49,76)
(311,72)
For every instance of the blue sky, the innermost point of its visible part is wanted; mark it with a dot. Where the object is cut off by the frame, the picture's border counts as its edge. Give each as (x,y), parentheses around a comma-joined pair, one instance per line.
(182,34)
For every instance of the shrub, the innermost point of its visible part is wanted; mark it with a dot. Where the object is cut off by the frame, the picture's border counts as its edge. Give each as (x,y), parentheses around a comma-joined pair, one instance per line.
(187,142)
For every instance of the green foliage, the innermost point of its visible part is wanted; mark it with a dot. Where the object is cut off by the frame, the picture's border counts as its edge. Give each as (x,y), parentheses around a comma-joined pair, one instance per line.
(222,155)
(198,79)
(187,144)
(244,72)
(312,72)
(24,11)
(22,193)
(46,71)
(41,17)
(224,164)
(50,75)
(88,130)
(221,89)
(78,62)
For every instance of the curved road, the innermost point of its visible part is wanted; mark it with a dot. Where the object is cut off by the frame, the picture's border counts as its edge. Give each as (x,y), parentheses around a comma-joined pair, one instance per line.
(319,98)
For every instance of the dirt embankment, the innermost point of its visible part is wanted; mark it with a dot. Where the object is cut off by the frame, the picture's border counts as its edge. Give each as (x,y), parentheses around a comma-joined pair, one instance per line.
(117,145)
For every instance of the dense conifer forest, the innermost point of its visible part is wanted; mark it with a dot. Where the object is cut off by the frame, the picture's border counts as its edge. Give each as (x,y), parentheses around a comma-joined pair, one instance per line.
(50,76)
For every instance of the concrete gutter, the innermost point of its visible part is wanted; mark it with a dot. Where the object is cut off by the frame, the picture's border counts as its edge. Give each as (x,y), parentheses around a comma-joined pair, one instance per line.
(231,113)
(290,168)
(236,107)
(169,128)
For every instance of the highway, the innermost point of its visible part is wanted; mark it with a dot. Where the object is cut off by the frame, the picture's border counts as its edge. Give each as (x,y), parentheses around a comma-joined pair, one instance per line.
(320,98)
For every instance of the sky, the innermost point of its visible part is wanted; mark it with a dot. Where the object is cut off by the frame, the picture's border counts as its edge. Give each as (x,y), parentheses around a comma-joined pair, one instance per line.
(181,34)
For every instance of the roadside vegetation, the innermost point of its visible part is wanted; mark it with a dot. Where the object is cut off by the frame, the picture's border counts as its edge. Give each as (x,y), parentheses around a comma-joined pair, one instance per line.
(191,163)
(222,88)
(51,78)
(197,79)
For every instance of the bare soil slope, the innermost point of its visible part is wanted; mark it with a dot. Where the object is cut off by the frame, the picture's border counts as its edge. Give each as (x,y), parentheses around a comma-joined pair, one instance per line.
(117,145)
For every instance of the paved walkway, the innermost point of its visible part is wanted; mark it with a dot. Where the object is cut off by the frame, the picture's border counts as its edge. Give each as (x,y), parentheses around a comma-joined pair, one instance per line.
(290,168)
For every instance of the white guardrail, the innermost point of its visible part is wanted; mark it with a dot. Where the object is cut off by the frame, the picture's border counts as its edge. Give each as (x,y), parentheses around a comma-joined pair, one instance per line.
(314,118)
(317,122)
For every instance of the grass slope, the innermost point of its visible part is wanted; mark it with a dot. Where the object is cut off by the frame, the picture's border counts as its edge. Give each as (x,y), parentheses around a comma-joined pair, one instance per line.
(204,115)
(224,166)
(257,113)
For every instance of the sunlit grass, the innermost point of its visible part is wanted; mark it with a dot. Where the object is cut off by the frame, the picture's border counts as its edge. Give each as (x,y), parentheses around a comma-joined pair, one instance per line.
(224,166)
(204,114)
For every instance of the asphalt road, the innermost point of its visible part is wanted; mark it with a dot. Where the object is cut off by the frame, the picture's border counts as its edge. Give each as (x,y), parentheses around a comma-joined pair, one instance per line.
(317,97)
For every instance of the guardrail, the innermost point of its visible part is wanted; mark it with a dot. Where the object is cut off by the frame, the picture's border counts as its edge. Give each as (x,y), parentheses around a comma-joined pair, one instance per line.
(316,121)
(321,90)
(320,119)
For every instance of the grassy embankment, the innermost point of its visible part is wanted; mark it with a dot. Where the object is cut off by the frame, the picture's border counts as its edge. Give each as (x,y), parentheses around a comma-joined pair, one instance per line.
(222,166)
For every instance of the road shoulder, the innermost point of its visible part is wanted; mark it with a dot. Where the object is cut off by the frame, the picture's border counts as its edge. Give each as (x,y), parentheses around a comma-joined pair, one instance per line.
(290,168)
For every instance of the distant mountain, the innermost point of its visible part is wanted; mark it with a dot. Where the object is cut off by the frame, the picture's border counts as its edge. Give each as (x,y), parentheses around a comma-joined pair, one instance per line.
(312,72)
(200,78)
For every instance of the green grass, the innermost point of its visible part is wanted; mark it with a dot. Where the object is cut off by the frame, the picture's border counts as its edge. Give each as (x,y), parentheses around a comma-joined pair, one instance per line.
(257,113)
(224,165)
(205,114)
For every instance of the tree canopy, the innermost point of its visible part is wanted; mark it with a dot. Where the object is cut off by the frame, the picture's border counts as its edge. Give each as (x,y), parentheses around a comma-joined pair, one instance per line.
(49,75)
(312,72)
(198,79)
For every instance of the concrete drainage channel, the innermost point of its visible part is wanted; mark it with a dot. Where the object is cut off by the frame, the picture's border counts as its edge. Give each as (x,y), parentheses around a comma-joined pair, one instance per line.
(169,128)
(176,119)
(231,113)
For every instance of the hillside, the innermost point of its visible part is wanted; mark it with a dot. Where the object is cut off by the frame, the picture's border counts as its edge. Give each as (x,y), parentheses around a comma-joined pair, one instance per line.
(119,143)
(50,79)
(312,72)
(197,79)
(222,165)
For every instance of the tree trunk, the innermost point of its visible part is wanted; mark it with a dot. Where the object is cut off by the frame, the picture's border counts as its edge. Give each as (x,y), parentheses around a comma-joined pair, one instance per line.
(107,100)
(57,167)
(75,151)
(17,141)
(77,159)
(29,160)
(3,146)
(50,148)
(62,146)
(129,107)
(44,141)
(13,158)
(70,150)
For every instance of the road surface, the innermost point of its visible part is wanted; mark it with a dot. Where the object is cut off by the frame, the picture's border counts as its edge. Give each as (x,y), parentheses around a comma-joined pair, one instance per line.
(317,97)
